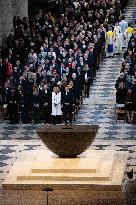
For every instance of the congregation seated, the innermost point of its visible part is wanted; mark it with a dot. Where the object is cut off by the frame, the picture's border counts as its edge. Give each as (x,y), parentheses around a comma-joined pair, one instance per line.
(126,82)
(46,54)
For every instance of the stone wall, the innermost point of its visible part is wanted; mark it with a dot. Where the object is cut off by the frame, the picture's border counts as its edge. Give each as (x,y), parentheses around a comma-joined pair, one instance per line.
(20,8)
(8,9)
(6,18)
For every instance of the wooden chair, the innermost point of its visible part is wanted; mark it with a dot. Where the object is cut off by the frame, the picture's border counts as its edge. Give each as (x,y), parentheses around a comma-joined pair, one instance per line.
(120,112)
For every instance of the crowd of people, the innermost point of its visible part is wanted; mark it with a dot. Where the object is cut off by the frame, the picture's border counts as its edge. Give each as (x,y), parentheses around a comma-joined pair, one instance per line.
(126,83)
(48,61)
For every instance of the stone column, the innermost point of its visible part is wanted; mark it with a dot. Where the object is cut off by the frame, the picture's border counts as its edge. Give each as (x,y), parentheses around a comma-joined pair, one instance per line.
(6,18)
(20,8)
(0,30)
(9,9)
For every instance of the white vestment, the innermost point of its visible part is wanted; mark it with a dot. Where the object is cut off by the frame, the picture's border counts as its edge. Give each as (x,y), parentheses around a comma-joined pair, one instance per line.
(56,104)
(118,38)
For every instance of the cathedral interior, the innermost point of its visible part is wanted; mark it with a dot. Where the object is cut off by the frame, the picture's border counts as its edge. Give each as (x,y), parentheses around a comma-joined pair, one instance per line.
(98,108)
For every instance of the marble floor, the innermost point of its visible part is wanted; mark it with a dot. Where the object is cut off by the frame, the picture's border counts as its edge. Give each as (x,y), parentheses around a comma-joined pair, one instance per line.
(99,109)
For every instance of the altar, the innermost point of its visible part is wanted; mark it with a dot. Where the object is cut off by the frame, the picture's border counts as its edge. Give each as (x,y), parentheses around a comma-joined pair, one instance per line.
(40,177)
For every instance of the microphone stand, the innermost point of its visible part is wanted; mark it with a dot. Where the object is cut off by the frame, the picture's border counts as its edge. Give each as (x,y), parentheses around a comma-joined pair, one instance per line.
(47,190)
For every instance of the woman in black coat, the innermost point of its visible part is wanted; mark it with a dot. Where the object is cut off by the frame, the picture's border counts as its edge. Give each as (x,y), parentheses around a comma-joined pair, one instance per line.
(121,94)
(129,104)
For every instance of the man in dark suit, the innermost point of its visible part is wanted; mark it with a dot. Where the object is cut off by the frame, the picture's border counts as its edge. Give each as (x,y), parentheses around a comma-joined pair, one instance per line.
(12,108)
(87,80)
(15,79)
(6,93)
(76,89)
(6,96)
(19,67)
(23,107)
(46,104)
(61,69)
(36,105)
(80,76)
(67,102)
